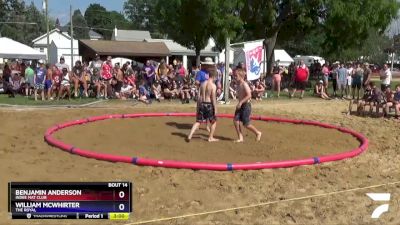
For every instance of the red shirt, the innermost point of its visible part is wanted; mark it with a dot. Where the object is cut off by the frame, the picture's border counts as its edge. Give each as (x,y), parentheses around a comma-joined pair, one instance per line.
(57,76)
(106,71)
(301,74)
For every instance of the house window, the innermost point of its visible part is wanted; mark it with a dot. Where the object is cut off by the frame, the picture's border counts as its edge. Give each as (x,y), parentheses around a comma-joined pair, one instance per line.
(41,49)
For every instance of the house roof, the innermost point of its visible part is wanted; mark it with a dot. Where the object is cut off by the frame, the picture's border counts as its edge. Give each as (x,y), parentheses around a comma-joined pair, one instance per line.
(130,35)
(94,34)
(177,49)
(65,44)
(125,48)
(50,32)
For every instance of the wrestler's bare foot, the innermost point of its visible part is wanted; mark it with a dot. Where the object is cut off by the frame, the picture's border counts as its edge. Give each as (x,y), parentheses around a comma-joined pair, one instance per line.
(258,138)
(212,140)
(238,141)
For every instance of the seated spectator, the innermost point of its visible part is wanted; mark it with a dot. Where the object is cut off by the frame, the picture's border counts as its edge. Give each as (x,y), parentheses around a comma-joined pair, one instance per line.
(233,87)
(396,101)
(366,100)
(127,91)
(258,90)
(78,78)
(389,102)
(65,86)
(185,91)
(16,82)
(319,90)
(144,94)
(156,90)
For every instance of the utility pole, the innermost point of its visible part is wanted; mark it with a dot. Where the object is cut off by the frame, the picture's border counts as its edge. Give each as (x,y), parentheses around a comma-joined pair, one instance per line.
(47,28)
(72,36)
(226,74)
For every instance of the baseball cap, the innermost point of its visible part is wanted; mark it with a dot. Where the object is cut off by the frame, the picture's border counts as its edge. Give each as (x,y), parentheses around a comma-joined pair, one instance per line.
(40,61)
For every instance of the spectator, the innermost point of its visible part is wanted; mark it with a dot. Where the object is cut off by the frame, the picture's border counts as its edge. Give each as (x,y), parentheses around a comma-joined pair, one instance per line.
(335,77)
(49,82)
(79,79)
(325,75)
(149,72)
(39,79)
(396,101)
(95,76)
(276,80)
(29,80)
(65,85)
(389,102)
(367,75)
(57,78)
(61,65)
(342,80)
(258,90)
(357,81)
(106,75)
(386,77)
(300,79)
(319,90)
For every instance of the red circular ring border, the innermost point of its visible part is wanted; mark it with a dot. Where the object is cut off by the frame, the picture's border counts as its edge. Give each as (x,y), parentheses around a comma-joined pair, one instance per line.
(203,165)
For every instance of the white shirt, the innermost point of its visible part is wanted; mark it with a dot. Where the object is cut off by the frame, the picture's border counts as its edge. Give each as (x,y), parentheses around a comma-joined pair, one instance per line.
(388,75)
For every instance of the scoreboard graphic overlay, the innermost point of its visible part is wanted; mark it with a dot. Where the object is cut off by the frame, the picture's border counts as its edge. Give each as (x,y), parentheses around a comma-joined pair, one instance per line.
(70,200)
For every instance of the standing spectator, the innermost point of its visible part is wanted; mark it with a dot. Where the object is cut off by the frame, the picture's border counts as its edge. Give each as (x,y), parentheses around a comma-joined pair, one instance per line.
(386,77)
(276,80)
(367,75)
(61,65)
(29,80)
(149,73)
(342,80)
(15,84)
(40,78)
(349,80)
(95,68)
(106,75)
(6,80)
(49,82)
(357,81)
(300,79)
(335,77)
(325,74)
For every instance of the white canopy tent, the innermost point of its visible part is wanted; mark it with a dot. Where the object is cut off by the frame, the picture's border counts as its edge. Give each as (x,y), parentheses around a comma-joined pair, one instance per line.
(11,49)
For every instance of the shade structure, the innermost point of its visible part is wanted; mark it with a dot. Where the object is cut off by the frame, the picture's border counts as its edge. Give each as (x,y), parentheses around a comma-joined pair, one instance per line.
(11,49)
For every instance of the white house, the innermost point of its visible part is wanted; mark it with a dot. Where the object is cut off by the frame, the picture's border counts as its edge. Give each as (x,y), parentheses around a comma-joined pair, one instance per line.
(40,43)
(60,48)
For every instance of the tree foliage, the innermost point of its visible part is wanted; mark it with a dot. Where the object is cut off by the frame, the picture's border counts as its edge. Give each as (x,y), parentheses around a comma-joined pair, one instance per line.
(142,14)
(188,22)
(16,11)
(103,21)
(81,29)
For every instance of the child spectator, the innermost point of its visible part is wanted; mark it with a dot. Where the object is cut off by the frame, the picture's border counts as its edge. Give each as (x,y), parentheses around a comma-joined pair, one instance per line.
(319,90)
(65,84)
(144,94)
(39,79)
(29,83)
(396,101)
(258,90)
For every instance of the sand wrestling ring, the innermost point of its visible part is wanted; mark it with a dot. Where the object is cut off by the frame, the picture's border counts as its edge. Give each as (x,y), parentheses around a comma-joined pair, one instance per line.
(360,140)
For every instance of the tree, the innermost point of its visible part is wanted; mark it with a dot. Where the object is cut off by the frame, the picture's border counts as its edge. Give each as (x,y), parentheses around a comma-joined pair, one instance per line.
(226,22)
(142,14)
(188,22)
(345,23)
(103,21)
(81,29)
(30,24)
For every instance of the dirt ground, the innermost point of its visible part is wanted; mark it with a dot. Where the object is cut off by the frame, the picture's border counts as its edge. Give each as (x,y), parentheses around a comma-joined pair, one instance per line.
(162,193)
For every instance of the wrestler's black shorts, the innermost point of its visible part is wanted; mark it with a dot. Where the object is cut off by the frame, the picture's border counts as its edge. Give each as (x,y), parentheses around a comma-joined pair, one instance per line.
(205,111)
(243,114)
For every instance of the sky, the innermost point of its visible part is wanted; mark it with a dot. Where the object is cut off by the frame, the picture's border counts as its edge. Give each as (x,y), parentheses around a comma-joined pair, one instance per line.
(60,8)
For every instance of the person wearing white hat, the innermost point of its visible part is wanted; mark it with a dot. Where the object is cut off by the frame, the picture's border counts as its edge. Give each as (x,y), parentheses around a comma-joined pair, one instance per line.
(320,90)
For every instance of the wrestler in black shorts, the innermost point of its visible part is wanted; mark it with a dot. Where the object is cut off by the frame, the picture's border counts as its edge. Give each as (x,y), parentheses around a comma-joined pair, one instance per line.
(205,111)
(243,114)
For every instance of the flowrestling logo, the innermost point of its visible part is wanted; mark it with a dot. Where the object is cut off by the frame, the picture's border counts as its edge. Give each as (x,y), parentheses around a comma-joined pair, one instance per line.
(383,197)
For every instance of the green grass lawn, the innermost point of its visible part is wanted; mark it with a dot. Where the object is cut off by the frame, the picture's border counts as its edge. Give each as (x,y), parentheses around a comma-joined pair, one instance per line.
(22,100)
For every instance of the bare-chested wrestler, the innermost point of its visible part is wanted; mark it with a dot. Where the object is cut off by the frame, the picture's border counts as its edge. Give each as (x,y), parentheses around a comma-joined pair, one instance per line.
(207,107)
(243,108)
